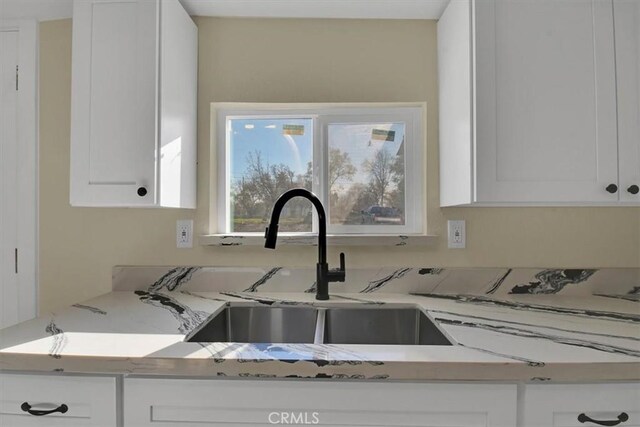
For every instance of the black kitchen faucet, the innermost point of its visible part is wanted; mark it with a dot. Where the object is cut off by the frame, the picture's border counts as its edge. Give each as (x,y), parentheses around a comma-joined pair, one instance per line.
(323,274)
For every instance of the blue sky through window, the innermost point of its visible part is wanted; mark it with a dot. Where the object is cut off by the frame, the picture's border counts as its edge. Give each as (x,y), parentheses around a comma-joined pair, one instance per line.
(275,144)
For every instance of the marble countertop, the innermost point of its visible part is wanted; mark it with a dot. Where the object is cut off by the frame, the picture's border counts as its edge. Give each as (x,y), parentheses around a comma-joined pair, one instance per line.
(506,338)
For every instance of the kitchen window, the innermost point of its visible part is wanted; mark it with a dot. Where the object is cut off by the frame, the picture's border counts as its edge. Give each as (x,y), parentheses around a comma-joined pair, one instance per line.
(365,162)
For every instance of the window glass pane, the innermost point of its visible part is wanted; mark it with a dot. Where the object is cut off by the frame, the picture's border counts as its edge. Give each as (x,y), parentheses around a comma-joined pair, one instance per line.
(267,158)
(366,174)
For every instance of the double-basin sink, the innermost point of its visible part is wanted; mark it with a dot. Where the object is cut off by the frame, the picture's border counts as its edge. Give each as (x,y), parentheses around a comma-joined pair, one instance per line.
(380,325)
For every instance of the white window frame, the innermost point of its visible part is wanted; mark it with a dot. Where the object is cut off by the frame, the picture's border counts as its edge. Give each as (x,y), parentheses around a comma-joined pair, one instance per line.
(322,115)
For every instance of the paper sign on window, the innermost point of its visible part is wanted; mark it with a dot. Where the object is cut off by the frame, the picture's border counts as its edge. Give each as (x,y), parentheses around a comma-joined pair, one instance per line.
(383,135)
(293,129)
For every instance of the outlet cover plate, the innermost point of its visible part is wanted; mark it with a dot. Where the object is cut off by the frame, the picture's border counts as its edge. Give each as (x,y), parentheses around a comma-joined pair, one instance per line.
(457,234)
(184,233)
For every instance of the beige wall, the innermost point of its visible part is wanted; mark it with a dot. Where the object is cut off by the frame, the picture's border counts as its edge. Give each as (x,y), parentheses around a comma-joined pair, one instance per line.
(273,60)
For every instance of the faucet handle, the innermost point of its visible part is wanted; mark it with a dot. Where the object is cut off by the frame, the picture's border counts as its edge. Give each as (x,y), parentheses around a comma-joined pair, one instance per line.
(270,236)
(338,274)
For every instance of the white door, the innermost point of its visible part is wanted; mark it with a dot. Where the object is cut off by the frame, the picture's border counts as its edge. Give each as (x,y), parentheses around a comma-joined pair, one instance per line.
(546,101)
(581,405)
(18,174)
(113,103)
(181,403)
(8,178)
(627,30)
(67,401)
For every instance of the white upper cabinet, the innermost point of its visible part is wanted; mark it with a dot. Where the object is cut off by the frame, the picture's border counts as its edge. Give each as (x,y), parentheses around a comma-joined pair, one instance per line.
(133,113)
(528,105)
(627,32)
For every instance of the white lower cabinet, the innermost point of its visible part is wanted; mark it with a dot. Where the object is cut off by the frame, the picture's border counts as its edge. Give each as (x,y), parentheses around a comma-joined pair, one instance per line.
(72,401)
(172,403)
(563,405)
(92,401)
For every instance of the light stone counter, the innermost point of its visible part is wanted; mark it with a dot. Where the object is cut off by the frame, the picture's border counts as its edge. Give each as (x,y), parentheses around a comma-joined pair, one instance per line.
(497,338)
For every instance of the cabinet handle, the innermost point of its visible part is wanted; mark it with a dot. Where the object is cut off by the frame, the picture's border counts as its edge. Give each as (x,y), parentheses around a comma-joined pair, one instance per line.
(634,189)
(612,188)
(142,191)
(40,412)
(621,419)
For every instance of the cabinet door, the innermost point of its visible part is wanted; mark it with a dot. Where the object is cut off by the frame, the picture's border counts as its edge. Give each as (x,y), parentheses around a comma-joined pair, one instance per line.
(114,105)
(546,101)
(173,403)
(580,405)
(627,30)
(90,401)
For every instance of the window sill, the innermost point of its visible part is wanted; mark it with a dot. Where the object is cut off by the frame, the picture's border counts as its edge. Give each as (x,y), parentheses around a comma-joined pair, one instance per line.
(311,239)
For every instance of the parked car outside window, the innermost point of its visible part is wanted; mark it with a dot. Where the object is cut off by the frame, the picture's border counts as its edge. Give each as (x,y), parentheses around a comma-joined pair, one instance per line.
(381,215)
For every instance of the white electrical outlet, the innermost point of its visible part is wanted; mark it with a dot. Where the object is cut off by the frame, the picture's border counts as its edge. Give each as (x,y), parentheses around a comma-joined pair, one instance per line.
(184,233)
(457,234)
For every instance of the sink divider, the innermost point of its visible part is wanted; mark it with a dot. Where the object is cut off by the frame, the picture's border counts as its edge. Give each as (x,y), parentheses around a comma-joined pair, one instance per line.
(320,326)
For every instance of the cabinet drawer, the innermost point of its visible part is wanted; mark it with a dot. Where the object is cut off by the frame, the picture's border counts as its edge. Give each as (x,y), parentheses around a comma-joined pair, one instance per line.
(172,403)
(580,405)
(91,401)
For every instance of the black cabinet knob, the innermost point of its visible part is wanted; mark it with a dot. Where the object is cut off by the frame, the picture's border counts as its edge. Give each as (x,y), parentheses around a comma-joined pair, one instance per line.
(612,188)
(142,191)
(634,189)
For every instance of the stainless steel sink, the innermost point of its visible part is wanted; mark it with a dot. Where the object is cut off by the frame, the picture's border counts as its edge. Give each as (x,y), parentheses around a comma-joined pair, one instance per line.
(260,325)
(324,325)
(400,326)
